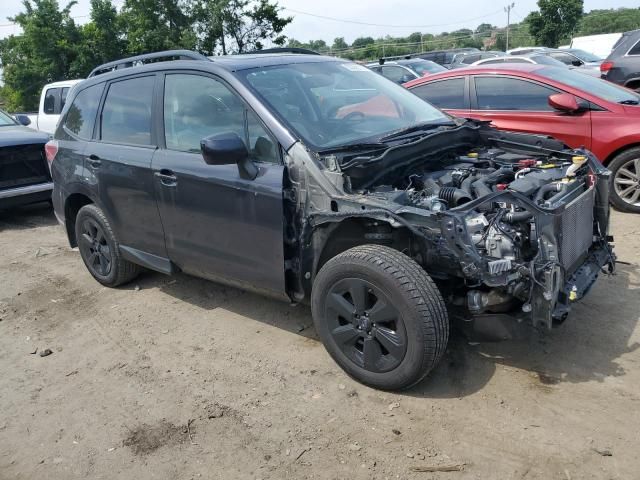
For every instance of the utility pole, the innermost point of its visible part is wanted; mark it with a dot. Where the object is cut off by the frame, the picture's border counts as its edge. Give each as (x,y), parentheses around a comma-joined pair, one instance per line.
(508,10)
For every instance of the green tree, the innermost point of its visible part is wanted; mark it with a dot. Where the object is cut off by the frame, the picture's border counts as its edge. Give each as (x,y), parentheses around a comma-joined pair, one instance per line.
(415,37)
(610,21)
(237,26)
(485,28)
(339,44)
(557,20)
(44,52)
(153,25)
(362,42)
(102,38)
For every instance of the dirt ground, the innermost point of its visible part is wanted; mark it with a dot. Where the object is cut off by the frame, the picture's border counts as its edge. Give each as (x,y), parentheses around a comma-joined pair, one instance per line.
(179,378)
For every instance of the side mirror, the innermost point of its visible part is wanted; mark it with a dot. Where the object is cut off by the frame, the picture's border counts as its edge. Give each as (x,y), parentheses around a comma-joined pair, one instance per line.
(227,149)
(564,102)
(577,63)
(22,119)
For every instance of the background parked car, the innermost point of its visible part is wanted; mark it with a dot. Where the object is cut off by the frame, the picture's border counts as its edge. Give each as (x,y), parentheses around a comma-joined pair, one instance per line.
(445,57)
(622,66)
(578,109)
(465,59)
(584,61)
(52,100)
(533,58)
(403,71)
(590,59)
(540,58)
(24,174)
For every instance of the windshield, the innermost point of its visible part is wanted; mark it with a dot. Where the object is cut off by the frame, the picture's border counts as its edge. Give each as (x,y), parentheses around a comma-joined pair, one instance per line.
(5,119)
(425,67)
(596,86)
(334,103)
(585,56)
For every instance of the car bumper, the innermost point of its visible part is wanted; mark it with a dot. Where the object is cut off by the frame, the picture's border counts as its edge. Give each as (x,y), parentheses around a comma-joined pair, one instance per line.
(13,197)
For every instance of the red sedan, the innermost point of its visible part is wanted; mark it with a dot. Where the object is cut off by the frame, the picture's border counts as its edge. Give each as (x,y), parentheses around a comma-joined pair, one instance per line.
(575,108)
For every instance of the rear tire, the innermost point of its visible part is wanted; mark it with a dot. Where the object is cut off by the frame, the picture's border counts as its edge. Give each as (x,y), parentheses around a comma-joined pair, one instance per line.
(625,181)
(100,250)
(380,316)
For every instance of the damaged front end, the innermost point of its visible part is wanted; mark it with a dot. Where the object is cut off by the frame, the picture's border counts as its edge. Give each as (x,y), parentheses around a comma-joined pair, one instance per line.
(508,225)
(533,257)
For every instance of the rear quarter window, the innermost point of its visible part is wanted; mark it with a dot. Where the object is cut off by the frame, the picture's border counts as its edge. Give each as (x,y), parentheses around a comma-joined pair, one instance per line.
(81,116)
(635,50)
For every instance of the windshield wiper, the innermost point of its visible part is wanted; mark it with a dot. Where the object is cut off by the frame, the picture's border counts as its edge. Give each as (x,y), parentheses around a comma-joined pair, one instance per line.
(417,128)
(629,102)
(354,147)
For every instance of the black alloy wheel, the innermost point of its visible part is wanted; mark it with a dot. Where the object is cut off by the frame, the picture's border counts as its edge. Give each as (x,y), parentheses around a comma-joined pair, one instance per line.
(100,249)
(94,248)
(365,325)
(380,316)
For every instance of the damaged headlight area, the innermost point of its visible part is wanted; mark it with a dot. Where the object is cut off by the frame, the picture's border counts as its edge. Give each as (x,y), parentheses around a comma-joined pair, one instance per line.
(507,225)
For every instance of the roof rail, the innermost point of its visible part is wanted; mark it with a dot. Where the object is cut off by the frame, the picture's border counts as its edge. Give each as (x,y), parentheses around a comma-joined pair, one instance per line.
(302,51)
(167,55)
(407,56)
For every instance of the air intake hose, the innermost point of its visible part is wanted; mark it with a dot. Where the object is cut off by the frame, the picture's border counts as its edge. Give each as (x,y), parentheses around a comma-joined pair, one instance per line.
(452,195)
(482,186)
(546,189)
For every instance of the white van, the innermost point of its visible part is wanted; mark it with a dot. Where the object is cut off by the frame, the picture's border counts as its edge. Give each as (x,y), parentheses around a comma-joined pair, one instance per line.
(52,100)
(599,45)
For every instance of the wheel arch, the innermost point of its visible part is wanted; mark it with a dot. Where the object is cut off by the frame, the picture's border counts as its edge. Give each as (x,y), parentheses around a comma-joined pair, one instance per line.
(333,238)
(619,151)
(633,83)
(72,206)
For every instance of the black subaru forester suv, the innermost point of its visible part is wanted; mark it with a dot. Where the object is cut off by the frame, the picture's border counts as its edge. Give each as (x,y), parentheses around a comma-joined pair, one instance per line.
(313,179)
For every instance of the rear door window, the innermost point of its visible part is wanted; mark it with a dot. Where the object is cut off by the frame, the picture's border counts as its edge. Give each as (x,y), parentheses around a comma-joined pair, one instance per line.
(51,101)
(81,116)
(448,94)
(126,115)
(503,93)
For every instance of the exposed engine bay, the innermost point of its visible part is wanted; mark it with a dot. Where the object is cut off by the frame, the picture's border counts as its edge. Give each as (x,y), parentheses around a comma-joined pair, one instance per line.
(515,225)
(501,230)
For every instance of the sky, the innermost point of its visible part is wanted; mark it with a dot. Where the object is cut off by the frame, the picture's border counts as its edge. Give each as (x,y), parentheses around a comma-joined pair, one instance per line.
(395,17)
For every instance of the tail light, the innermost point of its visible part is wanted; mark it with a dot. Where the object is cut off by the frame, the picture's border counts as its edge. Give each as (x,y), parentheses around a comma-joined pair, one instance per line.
(50,151)
(605,67)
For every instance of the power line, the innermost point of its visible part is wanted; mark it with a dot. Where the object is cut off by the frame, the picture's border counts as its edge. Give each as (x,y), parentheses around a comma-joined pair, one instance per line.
(408,44)
(357,22)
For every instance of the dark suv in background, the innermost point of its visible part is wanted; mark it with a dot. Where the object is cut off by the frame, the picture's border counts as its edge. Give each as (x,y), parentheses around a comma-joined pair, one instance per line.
(622,66)
(313,179)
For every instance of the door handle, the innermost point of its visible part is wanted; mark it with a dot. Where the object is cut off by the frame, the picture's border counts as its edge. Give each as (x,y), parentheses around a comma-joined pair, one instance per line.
(167,177)
(94,161)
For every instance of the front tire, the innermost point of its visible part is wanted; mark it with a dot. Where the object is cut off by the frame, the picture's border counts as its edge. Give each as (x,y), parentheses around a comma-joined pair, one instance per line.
(625,181)
(380,316)
(100,250)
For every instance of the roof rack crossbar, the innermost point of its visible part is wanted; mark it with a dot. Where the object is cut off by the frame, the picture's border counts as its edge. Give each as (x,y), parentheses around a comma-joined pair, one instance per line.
(141,59)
